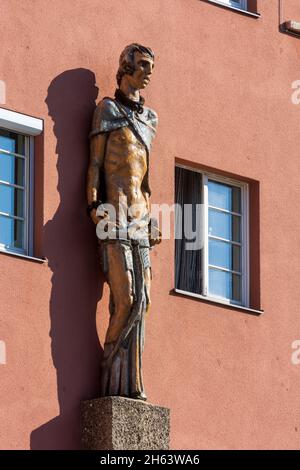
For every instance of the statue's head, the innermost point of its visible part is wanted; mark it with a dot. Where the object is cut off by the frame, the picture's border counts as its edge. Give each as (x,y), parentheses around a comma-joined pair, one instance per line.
(136,65)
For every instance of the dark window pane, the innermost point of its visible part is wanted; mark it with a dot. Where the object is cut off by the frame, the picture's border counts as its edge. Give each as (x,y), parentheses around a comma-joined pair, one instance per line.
(11,232)
(236,287)
(11,200)
(236,228)
(236,200)
(236,258)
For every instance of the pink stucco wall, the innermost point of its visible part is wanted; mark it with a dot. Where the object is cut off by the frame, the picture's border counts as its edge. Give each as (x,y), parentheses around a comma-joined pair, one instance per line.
(222,87)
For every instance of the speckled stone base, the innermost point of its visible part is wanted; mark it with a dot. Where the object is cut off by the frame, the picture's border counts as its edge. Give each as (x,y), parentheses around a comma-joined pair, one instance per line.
(117,423)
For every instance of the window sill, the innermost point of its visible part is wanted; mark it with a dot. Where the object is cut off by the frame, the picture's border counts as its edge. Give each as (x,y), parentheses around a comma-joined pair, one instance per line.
(26,257)
(201,298)
(238,10)
(283,29)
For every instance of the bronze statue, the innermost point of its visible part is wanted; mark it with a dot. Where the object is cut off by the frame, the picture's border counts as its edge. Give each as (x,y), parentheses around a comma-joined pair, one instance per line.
(118,178)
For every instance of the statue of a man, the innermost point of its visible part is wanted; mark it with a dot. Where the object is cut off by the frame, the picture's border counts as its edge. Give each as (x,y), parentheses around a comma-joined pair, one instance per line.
(118,178)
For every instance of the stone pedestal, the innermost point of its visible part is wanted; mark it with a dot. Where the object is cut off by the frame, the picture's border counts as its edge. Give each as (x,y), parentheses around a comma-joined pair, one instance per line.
(117,423)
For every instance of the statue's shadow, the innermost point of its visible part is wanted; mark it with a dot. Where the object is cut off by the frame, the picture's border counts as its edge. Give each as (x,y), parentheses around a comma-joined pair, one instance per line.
(71,248)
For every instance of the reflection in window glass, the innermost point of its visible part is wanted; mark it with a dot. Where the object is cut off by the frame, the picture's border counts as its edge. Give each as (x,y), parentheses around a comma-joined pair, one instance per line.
(225,285)
(223,225)
(12,142)
(11,232)
(224,256)
(224,196)
(11,200)
(12,169)
(242,4)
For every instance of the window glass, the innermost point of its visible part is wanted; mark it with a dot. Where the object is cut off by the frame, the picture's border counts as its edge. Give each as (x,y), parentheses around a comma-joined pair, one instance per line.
(224,196)
(12,169)
(226,255)
(11,200)
(11,232)
(12,142)
(13,190)
(225,285)
(235,3)
(224,225)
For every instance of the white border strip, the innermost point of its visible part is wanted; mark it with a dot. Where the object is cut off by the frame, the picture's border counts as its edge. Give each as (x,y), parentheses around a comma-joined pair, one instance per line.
(21,123)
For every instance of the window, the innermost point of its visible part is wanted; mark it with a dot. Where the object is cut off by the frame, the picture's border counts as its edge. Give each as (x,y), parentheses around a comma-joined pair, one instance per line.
(16,181)
(14,191)
(247,7)
(214,209)
(241,4)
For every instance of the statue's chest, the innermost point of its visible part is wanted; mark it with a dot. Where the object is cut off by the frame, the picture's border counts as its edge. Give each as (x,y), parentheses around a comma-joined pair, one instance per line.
(124,147)
(124,138)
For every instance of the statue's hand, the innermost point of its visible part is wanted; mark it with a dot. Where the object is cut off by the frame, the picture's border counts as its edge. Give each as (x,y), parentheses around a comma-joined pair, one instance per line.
(155,235)
(156,240)
(96,218)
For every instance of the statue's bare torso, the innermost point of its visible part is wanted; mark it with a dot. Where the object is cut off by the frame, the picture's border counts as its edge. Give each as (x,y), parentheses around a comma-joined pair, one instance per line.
(125,166)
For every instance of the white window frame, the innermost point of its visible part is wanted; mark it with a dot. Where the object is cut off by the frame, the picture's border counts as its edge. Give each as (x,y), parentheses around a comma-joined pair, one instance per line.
(29,127)
(242,5)
(244,236)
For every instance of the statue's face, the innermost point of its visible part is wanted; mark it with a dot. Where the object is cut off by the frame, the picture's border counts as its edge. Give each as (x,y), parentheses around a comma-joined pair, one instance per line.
(143,69)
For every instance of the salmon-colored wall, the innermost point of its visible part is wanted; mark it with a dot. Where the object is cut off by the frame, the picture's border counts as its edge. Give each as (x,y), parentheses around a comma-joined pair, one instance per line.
(222,87)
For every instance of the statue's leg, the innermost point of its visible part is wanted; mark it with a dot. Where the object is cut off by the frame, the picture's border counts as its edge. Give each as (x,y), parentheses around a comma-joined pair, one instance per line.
(147,279)
(118,260)
(129,281)
(121,286)
(139,335)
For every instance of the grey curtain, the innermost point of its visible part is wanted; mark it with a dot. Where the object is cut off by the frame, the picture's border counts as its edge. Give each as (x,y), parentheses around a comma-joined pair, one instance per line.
(188,275)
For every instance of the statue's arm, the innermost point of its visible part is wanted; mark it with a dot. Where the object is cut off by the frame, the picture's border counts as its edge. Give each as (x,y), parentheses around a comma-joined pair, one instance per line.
(146,191)
(152,121)
(97,154)
(155,235)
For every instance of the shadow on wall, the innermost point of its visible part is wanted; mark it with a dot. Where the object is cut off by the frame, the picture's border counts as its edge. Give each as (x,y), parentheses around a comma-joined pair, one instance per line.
(71,248)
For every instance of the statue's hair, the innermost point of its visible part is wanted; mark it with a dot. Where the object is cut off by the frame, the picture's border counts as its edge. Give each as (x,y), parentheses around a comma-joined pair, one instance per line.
(126,61)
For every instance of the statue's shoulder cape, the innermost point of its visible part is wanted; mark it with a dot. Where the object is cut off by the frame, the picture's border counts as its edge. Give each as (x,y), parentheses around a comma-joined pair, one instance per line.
(110,115)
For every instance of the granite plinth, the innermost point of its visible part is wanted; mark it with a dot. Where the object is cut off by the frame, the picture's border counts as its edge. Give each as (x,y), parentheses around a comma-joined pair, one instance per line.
(117,423)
